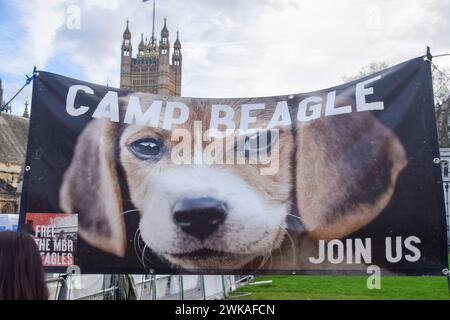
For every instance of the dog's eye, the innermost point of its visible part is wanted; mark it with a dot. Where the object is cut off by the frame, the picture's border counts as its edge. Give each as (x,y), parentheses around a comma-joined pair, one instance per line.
(147,148)
(259,142)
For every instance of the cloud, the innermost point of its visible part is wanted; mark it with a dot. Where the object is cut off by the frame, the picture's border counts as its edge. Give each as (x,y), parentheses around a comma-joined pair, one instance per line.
(39,22)
(232,48)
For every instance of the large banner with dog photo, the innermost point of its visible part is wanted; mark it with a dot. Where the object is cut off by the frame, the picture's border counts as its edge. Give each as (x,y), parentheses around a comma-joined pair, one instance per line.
(342,180)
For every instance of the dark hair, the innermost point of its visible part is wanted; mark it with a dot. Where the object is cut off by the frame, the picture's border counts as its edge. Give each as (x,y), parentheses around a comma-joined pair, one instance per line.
(21,271)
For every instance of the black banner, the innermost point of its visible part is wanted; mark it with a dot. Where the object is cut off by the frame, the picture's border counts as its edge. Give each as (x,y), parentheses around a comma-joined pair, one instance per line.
(344,180)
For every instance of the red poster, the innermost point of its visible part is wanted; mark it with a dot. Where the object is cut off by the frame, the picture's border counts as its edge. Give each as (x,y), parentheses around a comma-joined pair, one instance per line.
(56,237)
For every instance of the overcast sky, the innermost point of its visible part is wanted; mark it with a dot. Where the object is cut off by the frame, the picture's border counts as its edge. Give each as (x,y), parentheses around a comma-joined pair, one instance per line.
(231,48)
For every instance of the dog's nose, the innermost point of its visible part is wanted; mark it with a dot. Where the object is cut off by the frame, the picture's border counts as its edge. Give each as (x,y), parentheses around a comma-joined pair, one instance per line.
(199,217)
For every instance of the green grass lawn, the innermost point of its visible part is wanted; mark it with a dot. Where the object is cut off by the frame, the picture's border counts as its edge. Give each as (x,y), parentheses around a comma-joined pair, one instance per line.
(346,287)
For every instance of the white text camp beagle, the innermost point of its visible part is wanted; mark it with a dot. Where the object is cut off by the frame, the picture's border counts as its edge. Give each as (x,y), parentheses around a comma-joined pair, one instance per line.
(166,114)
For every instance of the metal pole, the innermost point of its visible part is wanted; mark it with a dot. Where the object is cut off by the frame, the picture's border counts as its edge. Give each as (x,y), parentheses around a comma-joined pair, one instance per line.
(224,288)
(69,287)
(202,286)
(142,287)
(103,288)
(62,294)
(181,287)
(153,286)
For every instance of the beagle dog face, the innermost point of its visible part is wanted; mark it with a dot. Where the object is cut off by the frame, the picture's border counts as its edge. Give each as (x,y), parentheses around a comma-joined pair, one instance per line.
(205,216)
(217,216)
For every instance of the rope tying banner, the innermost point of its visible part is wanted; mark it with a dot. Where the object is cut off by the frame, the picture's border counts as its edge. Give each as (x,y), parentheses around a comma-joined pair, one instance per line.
(27,82)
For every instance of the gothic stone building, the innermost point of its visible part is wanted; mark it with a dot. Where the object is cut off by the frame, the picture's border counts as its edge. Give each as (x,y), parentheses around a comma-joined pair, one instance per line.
(151,70)
(13,143)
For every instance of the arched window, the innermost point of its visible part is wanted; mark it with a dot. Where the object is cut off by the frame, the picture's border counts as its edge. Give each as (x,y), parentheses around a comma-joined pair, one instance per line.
(9,208)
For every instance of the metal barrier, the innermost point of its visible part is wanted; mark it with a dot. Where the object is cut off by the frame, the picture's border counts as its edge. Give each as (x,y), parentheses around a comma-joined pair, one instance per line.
(163,287)
(147,287)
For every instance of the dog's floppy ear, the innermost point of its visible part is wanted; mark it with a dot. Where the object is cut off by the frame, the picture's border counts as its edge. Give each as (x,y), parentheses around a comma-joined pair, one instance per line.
(91,188)
(347,168)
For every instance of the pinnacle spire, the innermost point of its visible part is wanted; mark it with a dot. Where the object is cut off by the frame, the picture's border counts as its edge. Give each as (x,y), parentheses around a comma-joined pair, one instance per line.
(165,31)
(177,43)
(127,33)
(25,112)
(142,44)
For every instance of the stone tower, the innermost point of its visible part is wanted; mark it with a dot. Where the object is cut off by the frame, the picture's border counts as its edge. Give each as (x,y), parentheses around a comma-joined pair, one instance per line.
(152,70)
(126,59)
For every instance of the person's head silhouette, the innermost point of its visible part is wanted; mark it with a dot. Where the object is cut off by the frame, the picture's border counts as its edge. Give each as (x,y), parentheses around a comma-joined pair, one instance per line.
(21,270)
